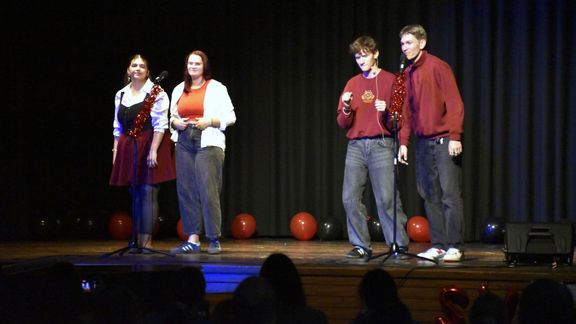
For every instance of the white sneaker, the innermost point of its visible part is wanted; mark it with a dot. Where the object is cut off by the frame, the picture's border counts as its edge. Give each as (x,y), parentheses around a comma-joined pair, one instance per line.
(432,253)
(452,255)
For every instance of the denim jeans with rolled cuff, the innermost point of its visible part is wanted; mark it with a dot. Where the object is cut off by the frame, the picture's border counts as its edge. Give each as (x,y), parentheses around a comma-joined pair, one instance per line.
(198,184)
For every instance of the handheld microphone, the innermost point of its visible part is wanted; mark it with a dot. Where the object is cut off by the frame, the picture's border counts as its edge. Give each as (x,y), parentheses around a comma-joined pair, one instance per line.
(160,77)
(402,62)
(348,101)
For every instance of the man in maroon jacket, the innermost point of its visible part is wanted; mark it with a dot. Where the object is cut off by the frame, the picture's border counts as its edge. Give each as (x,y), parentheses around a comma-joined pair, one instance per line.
(435,113)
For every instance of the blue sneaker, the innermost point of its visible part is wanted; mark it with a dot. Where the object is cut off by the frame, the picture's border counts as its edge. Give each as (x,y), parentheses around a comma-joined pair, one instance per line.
(214,247)
(186,248)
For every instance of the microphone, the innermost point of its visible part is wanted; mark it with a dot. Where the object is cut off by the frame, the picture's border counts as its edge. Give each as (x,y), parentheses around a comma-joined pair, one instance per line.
(402,62)
(349,101)
(161,77)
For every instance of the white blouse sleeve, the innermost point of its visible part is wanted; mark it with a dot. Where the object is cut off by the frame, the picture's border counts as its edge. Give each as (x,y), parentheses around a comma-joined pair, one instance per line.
(225,108)
(117,127)
(159,112)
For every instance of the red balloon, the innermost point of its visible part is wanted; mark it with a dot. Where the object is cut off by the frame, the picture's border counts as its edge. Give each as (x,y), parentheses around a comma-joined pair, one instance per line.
(441,320)
(483,289)
(180,230)
(303,226)
(418,229)
(243,226)
(120,226)
(453,302)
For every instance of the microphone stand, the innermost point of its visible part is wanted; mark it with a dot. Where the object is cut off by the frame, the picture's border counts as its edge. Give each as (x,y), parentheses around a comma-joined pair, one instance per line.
(394,248)
(133,247)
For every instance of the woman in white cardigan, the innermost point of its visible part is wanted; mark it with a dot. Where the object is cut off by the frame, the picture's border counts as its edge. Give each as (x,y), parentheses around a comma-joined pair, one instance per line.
(201,110)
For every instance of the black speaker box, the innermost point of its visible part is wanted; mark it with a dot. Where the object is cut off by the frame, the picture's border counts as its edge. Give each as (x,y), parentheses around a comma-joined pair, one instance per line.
(539,243)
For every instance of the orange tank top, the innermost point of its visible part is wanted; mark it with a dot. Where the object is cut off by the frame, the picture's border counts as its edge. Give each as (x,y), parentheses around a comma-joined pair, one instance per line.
(191,104)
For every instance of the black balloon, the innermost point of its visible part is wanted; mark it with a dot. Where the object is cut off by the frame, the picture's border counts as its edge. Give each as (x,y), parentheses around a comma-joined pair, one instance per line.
(42,228)
(329,229)
(89,224)
(76,221)
(59,227)
(493,230)
(375,230)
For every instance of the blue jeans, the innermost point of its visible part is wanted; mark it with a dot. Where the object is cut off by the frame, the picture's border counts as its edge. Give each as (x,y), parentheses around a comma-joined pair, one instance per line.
(439,180)
(145,205)
(372,158)
(198,184)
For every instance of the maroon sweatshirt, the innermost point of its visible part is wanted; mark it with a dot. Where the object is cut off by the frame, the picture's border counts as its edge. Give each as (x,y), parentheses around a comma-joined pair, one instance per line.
(364,120)
(435,108)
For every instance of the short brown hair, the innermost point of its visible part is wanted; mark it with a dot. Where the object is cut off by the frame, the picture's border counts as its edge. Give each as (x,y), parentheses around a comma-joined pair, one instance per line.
(417,30)
(363,43)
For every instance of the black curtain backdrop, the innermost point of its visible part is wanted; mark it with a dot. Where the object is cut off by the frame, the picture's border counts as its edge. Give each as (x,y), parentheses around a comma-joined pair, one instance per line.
(285,64)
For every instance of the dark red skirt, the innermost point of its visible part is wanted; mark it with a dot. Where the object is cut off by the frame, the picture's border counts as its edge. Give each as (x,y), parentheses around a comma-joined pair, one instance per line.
(123,169)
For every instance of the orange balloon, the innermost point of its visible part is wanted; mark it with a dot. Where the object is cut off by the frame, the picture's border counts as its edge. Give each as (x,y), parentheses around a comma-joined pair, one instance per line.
(418,229)
(180,230)
(243,226)
(120,226)
(303,226)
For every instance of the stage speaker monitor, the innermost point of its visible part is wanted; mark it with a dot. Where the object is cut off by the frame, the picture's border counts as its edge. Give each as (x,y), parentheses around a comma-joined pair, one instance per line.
(536,243)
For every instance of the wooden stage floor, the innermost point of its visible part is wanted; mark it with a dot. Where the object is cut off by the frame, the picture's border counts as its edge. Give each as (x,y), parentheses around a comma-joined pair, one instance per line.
(330,279)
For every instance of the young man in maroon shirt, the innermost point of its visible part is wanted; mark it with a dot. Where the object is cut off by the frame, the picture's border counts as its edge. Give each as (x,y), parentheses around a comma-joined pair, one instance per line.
(370,153)
(435,113)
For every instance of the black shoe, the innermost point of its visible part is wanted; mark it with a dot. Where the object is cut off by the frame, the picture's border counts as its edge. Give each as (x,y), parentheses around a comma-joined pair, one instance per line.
(133,250)
(358,253)
(403,249)
(140,250)
(146,251)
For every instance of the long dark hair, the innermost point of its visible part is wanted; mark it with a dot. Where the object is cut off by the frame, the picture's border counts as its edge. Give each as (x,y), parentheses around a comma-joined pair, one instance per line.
(136,56)
(207,73)
(282,274)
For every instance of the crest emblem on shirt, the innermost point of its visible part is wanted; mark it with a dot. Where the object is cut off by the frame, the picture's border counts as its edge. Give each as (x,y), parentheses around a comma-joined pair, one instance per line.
(368,96)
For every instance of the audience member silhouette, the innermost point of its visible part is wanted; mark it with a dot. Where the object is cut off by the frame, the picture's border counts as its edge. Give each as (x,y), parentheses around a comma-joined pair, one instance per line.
(5,300)
(189,293)
(254,302)
(381,303)
(546,301)
(49,295)
(21,301)
(66,305)
(488,308)
(223,312)
(282,274)
(115,304)
(179,297)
